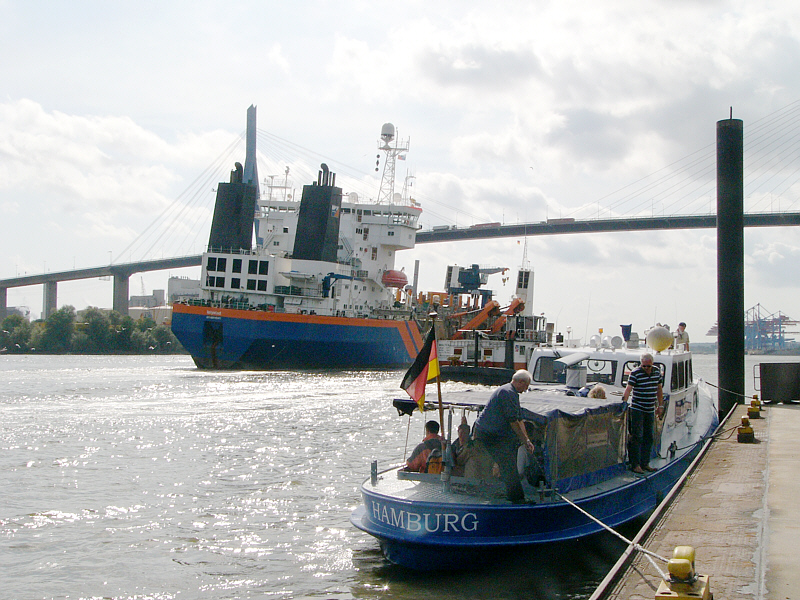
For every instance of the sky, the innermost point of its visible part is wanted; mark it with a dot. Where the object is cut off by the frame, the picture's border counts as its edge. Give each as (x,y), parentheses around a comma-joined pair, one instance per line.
(110,113)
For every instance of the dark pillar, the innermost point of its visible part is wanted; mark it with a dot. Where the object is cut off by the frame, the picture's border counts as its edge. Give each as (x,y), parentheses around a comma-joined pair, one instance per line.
(3,303)
(730,263)
(50,299)
(121,293)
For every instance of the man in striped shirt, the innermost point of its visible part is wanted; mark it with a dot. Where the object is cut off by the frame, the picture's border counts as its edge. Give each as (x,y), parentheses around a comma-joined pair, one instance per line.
(647,398)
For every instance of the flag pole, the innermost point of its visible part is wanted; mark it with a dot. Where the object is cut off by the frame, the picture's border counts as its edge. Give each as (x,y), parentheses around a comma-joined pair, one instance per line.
(433,316)
(444,441)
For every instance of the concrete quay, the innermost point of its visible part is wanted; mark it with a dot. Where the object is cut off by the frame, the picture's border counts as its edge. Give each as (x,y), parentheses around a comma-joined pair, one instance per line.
(740,510)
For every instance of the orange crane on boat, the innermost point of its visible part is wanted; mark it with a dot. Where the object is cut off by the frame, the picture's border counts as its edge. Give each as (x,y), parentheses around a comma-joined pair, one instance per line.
(490,309)
(516,306)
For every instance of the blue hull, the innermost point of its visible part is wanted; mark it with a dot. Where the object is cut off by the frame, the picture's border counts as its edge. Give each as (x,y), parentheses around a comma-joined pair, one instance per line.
(447,535)
(238,339)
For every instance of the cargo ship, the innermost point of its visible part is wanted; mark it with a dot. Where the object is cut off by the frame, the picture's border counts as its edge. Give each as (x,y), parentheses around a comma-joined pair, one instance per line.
(304,284)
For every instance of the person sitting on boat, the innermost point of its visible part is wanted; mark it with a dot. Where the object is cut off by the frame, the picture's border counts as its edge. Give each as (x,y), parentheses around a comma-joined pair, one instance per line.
(647,398)
(501,430)
(597,391)
(418,460)
(463,439)
(460,449)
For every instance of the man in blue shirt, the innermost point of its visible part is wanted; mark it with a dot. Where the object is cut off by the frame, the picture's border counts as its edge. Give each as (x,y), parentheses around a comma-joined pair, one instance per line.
(501,430)
(647,398)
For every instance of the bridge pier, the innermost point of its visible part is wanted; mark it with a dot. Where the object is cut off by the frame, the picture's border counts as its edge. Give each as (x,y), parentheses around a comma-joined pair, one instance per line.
(121,285)
(3,303)
(50,298)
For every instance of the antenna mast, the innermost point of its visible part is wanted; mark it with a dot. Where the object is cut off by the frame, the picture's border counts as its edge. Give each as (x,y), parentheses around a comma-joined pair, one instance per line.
(386,193)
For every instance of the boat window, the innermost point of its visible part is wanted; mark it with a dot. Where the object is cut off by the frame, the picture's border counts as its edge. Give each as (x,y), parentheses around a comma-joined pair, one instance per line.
(632,364)
(262,286)
(251,284)
(212,263)
(675,384)
(252,267)
(601,371)
(263,267)
(689,373)
(220,282)
(221,264)
(237,265)
(547,370)
(236,283)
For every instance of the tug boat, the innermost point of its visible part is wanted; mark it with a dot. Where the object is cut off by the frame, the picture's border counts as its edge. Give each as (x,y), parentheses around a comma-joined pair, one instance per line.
(428,521)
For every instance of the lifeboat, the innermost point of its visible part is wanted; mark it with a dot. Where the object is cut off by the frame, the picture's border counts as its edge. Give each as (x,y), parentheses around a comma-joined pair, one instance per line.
(394,279)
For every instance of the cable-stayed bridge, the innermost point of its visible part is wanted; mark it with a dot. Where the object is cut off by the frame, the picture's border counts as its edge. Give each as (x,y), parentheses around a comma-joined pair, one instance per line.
(682,192)
(121,272)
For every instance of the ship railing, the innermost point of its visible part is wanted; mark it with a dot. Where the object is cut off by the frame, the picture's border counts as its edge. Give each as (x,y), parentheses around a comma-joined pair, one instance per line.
(221,250)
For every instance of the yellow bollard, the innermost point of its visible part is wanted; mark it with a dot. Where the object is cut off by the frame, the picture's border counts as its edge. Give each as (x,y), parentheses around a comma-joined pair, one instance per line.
(754,410)
(745,433)
(683,582)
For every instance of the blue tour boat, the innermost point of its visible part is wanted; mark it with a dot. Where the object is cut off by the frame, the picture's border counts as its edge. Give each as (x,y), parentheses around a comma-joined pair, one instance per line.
(431,521)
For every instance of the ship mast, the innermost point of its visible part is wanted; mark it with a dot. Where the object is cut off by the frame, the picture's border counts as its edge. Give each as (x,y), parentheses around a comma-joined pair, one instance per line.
(386,193)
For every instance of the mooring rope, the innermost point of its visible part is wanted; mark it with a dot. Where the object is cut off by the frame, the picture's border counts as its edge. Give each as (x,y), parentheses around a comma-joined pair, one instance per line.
(722,389)
(650,555)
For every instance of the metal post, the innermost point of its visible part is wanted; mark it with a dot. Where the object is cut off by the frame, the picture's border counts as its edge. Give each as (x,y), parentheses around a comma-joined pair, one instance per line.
(730,262)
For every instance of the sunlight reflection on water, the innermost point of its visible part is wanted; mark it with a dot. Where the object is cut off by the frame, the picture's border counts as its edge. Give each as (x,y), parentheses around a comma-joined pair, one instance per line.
(142,477)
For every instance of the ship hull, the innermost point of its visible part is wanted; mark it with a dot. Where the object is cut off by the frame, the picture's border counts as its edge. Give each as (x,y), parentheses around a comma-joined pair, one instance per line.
(223,338)
(450,535)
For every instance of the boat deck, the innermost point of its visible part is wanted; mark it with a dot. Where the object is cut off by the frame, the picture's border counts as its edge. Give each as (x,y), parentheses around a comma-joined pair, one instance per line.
(423,487)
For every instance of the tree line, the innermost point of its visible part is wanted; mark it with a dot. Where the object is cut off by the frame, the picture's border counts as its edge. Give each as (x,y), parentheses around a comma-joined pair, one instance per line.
(89,331)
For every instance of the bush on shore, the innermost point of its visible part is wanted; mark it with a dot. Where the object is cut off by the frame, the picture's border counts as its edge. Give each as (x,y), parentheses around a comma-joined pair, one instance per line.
(89,331)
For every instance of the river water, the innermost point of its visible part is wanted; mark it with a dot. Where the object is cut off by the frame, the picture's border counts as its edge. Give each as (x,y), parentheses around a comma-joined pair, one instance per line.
(133,477)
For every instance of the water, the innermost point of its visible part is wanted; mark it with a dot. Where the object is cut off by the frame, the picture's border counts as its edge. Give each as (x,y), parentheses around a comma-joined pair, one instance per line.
(142,477)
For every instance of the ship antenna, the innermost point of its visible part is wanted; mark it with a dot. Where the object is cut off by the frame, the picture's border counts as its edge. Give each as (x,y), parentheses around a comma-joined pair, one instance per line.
(386,192)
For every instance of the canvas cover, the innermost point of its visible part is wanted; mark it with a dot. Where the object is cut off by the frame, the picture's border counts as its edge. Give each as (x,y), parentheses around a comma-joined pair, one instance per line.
(582,439)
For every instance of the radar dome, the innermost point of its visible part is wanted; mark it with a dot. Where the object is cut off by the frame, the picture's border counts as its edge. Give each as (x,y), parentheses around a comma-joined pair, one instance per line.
(659,338)
(387,132)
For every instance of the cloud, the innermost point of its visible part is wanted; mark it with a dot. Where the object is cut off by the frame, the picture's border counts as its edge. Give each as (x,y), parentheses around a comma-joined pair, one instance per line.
(774,264)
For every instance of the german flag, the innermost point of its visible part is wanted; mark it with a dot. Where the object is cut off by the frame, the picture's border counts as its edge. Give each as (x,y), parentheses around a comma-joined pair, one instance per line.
(425,368)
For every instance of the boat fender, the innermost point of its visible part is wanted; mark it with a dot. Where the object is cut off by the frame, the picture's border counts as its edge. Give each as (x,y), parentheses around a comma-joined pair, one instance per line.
(684,582)
(745,433)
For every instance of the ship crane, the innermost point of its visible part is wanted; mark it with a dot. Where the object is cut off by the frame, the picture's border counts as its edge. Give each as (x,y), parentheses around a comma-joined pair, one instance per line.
(468,280)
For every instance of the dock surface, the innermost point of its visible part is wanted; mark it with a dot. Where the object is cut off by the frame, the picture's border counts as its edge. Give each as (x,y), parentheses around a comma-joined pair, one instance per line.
(740,510)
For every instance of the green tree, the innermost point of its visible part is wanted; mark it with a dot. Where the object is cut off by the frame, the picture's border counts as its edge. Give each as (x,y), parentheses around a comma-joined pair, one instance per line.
(58,330)
(166,342)
(15,334)
(97,328)
(122,328)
